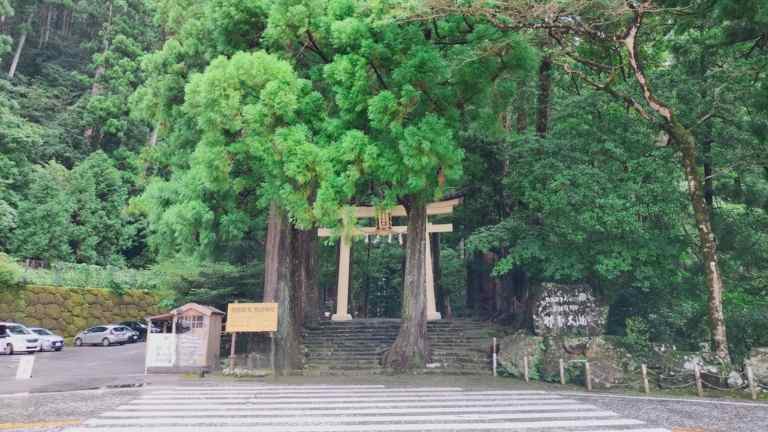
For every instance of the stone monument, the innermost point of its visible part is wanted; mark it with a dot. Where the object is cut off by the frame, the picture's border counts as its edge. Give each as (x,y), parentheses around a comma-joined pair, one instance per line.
(568,310)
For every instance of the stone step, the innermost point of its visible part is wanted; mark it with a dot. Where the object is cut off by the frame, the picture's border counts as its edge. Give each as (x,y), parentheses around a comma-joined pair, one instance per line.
(356,347)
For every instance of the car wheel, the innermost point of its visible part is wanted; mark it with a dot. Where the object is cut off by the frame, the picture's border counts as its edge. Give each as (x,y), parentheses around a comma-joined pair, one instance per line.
(105,342)
(8,350)
(59,349)
(78,342)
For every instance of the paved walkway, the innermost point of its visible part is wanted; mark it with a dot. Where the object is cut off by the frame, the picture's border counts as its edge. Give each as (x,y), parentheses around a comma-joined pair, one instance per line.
(346,408)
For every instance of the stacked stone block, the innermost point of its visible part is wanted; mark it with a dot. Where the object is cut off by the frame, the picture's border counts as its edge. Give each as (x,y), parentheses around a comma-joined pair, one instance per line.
(67,311)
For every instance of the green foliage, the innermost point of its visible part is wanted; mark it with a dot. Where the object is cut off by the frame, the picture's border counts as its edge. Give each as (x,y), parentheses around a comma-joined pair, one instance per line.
(116,288)
(75,215)
(637,338)
(10,272)
(44,227)
(376,282)
(453,279)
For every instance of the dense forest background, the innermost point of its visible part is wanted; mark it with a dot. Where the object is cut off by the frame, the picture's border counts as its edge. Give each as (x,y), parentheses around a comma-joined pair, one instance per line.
(116,150)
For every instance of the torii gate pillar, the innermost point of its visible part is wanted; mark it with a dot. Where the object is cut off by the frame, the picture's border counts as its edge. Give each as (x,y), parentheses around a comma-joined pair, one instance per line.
(432,313)
(342,288)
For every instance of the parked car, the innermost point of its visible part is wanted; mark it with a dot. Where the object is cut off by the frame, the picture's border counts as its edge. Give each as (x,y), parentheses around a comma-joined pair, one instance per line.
(133,336)
(139,327)
(48,340)
(15,337)
(105,335)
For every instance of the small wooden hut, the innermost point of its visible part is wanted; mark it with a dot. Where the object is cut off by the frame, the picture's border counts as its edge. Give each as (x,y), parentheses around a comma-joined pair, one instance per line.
(186,339)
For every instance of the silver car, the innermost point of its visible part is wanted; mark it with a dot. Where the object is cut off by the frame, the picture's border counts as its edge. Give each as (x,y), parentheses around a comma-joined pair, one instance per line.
(48,340)
(105,335)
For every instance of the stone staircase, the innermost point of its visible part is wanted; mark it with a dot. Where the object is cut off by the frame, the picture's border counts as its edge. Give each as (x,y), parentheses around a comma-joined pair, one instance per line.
(355,347)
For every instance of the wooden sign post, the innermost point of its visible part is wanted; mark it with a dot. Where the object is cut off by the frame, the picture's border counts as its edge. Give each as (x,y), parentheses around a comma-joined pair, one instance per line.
(252,318)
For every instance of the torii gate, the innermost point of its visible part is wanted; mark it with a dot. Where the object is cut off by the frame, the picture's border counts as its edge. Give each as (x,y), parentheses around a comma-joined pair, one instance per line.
(385,228)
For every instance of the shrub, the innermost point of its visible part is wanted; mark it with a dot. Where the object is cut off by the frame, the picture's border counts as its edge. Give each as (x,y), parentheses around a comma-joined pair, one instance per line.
(10,272)
(637,338)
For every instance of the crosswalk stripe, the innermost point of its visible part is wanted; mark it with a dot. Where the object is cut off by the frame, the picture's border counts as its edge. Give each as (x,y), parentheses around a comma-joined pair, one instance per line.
(389,427)
(333,412)
(341,405)
(247,387)
(316,399)
(165,395)
(236,408)
(276,419)
(266,390)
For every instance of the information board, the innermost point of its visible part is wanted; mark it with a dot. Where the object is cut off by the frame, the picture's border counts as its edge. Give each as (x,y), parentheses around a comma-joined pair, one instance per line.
(251,317)
(161,348)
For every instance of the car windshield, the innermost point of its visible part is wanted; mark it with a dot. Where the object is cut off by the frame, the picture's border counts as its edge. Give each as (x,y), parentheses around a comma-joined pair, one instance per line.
(42,332)
(17,330)
(119,329)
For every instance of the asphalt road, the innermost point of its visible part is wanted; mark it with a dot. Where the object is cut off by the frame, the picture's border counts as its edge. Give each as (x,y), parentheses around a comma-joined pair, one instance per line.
(75,368)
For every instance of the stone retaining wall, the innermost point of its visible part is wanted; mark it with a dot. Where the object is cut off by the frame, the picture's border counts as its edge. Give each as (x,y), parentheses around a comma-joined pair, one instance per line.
(67,311)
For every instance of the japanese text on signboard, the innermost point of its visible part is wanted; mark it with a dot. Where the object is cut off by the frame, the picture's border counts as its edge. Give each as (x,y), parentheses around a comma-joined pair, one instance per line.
(251,317)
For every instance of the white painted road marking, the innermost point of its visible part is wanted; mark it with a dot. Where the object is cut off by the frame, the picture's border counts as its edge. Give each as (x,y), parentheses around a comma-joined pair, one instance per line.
(335,412)
(341,404)
(278,418)
(316,399)
(356,409)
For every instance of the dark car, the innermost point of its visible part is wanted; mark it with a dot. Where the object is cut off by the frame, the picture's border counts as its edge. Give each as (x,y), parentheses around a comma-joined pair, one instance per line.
(139,327)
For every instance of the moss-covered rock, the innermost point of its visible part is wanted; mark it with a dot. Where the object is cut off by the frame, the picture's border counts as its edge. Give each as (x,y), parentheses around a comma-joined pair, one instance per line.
(514,349)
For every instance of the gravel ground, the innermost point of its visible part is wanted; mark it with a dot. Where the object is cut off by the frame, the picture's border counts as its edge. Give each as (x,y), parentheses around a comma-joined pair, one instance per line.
(691,414)
(58,409)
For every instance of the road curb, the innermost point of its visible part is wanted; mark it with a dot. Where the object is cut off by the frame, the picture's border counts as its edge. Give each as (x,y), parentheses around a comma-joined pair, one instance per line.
(85,389)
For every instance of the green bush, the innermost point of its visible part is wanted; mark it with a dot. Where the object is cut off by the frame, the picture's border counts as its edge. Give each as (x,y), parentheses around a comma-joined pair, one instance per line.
(637,338)
(10,272)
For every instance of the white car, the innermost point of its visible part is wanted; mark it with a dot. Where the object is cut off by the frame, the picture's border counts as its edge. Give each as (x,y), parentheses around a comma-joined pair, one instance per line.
(48,340)
(17,338)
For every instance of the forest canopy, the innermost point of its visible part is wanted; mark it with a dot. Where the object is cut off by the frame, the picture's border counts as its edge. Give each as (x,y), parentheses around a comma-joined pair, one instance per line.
(615,143)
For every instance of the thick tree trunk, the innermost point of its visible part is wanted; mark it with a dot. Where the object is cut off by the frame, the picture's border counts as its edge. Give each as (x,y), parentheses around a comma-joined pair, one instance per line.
(20,47)
(545,96)
(279,288)
(304,252)
(687,145)
(411,348)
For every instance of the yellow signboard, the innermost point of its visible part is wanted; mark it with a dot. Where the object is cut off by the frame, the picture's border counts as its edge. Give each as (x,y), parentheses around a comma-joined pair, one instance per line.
(251,317)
